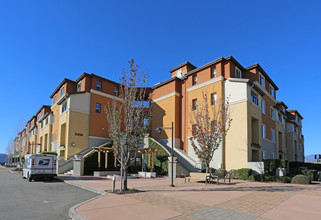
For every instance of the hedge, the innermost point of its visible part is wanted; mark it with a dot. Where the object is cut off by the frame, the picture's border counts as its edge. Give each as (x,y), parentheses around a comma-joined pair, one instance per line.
(270,165)
(244,173)
(312,173)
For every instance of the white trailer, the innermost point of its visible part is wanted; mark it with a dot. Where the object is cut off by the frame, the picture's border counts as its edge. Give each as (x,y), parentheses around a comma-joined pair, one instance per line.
(39,166)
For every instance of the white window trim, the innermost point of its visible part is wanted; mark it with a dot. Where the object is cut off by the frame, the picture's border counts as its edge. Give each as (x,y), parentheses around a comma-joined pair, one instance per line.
(272,136)
(271,91)
(260,75)
(263,136)
(263,107)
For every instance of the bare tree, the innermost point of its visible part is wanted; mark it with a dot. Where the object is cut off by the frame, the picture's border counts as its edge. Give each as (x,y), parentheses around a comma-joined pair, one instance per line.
(209,125)
(129,117)
(9,149)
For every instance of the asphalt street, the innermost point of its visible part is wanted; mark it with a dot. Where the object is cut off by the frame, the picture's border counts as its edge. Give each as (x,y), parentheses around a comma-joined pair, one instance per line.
(20,199)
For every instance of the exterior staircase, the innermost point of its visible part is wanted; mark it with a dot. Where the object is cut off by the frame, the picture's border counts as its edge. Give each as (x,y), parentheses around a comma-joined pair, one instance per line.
(182,158)
(66,166)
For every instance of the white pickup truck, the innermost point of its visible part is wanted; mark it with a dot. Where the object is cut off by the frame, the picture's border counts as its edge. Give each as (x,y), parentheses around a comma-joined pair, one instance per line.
(39,166)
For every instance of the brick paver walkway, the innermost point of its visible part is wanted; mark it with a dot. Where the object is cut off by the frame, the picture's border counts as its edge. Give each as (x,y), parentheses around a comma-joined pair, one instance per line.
(194,201)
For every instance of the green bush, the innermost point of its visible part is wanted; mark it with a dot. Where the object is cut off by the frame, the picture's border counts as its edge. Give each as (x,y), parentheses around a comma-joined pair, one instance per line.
(244,173)
(221,170)
(270,165)
(48,152)
(259,178)
(210,170)
(300,179)
(312,173)
(161,158)
(252,178)
(283,179)
(269,178)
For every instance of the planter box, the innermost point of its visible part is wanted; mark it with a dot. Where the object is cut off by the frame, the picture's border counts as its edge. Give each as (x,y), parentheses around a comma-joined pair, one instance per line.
(105,173)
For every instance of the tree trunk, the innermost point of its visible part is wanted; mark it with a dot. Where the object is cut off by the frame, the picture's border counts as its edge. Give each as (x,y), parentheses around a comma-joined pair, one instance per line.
(207,168)
(125,178)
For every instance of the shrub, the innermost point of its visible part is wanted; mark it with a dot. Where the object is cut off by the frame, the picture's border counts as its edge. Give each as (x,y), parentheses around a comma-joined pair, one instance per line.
(270,165)
(311,173)
(252,178)
(211,170)
(300,179)
(49,152)
(161,158)
(269,178)
(259,178)
(221,170)
(284,179)
(244,173)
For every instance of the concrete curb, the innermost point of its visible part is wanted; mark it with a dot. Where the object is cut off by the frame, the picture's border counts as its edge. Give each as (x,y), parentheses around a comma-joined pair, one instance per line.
(73,214)
(101,192)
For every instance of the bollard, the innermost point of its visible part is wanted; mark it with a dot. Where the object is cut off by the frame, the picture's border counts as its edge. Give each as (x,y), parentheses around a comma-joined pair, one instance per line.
(114,180)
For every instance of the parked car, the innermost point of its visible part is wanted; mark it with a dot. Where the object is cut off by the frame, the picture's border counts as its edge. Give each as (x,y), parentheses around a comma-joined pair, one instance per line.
(38,166)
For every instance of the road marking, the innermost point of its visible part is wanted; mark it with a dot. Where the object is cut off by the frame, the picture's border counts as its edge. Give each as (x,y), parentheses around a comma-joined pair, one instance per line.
(48,201)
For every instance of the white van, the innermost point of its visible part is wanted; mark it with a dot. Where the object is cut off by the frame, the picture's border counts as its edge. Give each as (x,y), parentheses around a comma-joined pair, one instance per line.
(39,166)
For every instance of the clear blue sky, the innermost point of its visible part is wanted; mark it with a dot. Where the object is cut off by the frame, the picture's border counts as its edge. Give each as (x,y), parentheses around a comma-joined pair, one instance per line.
(42,42)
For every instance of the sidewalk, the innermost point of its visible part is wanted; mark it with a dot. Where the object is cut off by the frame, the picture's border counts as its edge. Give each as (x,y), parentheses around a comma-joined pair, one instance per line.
(239,200)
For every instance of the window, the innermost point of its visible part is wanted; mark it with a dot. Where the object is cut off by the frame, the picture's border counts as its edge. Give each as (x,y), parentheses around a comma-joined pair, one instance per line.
(213,73)
(194,103)
(46,121)
(116,91)
(272,135)
(64,107)
(272,113)
(41,125)
(53,118)
(97,108)
(262,81)
(54,99)
(98,85)
(52,137)
(213,99)
(263,131)
(263,106)
(272,91)
(280,117)
(79,86)
(194,128)
(254,99)
(194,80)
(238,73)
(62,91)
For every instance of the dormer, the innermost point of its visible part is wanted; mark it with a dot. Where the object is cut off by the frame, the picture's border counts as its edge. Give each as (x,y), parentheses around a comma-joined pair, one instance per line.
(43,112)
(182,69)
(66,86)
(257,73)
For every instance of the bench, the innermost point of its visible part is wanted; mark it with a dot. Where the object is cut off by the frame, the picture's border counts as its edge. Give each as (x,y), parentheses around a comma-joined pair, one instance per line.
(209,177)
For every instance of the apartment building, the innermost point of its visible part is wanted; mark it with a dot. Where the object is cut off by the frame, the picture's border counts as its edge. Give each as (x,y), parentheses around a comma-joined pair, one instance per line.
(261,127)
(78,112)
(259,121)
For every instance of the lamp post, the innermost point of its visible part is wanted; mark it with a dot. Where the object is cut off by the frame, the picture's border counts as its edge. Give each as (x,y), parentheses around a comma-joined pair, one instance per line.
(159,130)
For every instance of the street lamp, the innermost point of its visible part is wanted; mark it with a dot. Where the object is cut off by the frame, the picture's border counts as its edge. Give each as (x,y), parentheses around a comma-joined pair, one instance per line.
(159,130)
